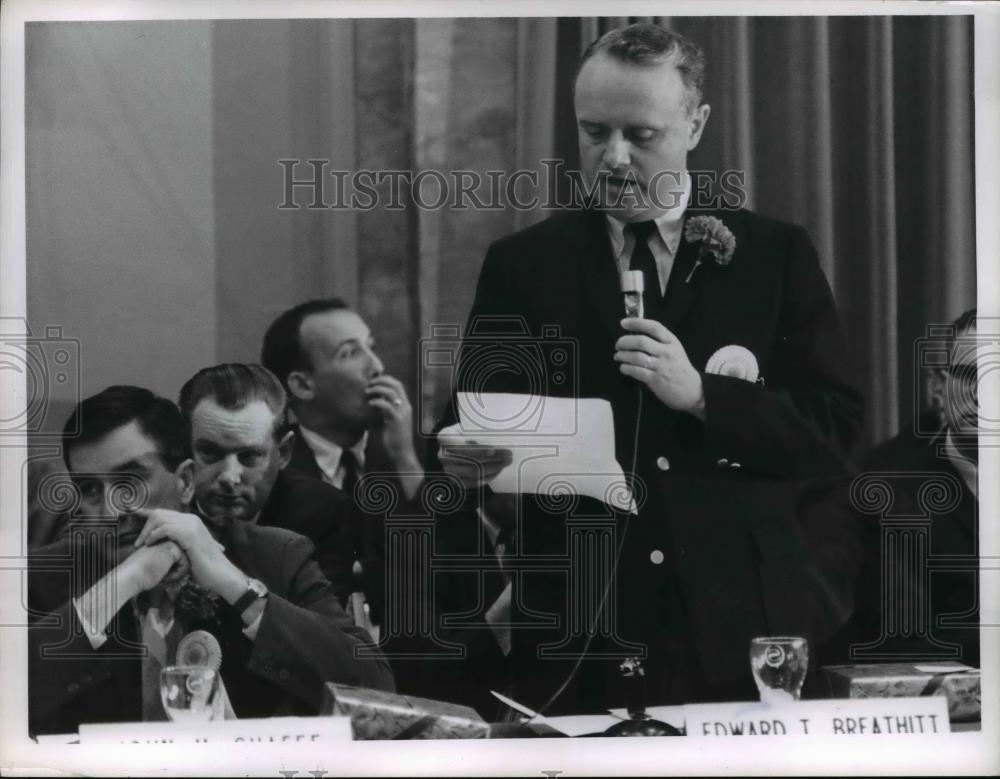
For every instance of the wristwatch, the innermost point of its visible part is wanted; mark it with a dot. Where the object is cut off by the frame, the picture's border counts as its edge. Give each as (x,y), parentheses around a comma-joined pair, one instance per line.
(256,590)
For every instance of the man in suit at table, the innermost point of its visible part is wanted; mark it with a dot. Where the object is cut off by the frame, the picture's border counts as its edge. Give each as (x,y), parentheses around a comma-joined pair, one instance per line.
(235,415)
(746,399)
(929,471)
(356,421)
(146,571)
(352,417)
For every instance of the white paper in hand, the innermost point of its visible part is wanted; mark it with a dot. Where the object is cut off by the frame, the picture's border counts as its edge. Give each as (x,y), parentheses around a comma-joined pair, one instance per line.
(561,446)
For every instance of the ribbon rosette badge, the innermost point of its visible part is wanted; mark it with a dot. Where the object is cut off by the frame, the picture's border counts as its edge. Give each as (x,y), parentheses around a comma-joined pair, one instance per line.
(714,239)
(735,361)
(200,647)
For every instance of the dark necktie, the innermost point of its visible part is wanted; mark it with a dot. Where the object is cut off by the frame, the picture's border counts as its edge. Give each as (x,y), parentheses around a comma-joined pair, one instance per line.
(642,259)
(349,464)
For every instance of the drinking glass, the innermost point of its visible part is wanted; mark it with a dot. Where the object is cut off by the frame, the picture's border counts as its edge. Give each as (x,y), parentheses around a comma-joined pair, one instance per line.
(186,692)
(779,666)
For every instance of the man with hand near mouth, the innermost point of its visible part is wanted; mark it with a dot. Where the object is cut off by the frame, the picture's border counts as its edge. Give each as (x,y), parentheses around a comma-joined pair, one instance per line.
(235,415)
(353,418)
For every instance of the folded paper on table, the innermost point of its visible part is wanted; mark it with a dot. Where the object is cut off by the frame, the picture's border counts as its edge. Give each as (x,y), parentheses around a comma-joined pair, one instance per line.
(959,684)
(561,446)
(57,738)
(582,724)
(376,714)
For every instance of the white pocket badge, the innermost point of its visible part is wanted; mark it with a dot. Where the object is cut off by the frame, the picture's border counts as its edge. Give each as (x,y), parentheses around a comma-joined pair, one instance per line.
(735,361)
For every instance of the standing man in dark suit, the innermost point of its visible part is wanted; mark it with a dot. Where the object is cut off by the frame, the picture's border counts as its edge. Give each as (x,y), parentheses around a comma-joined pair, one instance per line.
(353,418)
(135,590)
(746,398)
(235,415)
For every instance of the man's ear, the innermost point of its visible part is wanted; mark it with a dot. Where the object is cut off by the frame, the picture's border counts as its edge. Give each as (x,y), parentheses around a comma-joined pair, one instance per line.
(185,480)
(699,119)
(300,385)
(285,446)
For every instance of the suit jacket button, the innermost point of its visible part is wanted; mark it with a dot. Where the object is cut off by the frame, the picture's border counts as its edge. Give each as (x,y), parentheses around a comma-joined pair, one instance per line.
(722,462)
(283,675)
(656,557)
(663,463)
(735,465)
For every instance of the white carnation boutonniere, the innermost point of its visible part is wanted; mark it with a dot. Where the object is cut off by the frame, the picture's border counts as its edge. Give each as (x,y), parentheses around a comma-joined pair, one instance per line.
(715,239)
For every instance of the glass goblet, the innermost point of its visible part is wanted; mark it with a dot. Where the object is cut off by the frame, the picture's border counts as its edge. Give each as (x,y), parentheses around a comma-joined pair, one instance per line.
(186,692)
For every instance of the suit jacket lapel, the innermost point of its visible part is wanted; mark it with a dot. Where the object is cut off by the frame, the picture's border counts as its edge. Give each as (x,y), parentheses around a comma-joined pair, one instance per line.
(964,519)
(303,459)
(681,293)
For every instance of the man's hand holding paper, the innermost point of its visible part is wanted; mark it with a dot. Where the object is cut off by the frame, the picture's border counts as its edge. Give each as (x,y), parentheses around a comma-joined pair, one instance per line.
(535,444)
(468,460)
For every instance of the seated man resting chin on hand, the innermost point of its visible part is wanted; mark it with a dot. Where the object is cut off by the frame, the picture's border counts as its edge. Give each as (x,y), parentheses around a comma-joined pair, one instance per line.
(117,617)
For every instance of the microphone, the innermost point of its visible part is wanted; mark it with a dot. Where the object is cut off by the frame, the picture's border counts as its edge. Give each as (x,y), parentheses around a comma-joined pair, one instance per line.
(633,285)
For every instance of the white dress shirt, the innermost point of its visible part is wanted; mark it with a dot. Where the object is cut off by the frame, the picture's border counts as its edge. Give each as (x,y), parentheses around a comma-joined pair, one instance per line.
(663,243)
(328,455)
(99,638)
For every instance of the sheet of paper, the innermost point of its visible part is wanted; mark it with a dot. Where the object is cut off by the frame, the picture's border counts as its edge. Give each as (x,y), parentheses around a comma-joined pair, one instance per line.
(582,724)
(943,668)
(560,446)
(58,738)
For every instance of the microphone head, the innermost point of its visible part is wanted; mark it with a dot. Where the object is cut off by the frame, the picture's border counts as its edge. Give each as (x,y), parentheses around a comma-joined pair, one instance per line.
(633,284)
(632,281)
(199,647)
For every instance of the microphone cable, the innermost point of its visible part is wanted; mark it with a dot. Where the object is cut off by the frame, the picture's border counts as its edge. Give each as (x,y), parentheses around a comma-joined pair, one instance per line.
(614,568)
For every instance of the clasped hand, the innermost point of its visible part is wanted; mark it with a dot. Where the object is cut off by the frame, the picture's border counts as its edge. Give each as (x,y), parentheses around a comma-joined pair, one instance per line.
(196,550)
(650,353)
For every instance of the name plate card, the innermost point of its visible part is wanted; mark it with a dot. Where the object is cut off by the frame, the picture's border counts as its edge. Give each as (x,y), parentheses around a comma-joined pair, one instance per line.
(276,730)
(860,717)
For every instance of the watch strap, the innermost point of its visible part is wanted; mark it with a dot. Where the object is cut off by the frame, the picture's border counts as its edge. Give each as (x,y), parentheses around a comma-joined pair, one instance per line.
(247,599)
